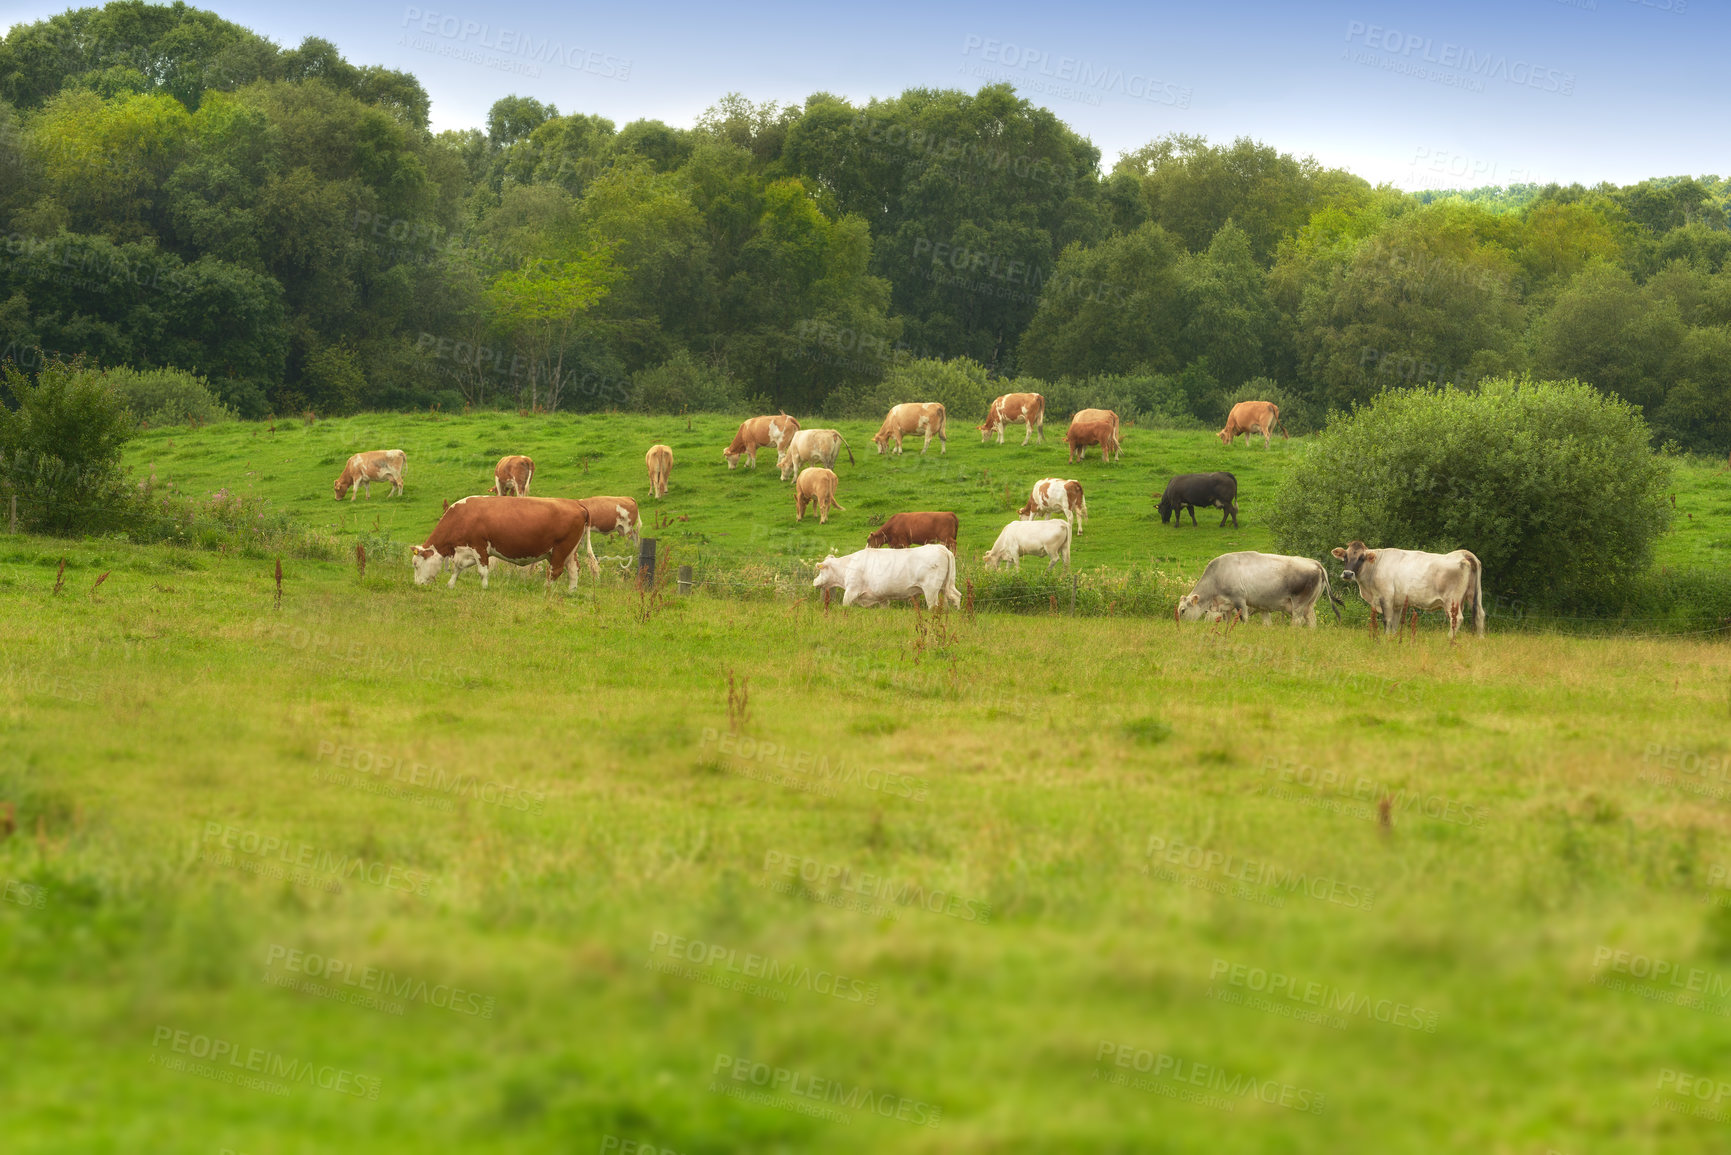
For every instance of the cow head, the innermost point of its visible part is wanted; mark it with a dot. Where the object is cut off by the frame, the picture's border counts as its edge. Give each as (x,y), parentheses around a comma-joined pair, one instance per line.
(830,574)
(344,483)
(881,438)
(1225,436)
(1165,509)
(427,563)
(1353,559)
(877,538)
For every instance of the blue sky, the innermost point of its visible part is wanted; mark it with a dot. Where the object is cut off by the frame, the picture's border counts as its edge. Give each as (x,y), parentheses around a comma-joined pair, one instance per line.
(1417,95)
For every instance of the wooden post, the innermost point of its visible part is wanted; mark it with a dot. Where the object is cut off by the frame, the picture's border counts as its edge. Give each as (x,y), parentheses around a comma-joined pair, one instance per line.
(684,579)
(646,563)
(14,504)
(1072,593)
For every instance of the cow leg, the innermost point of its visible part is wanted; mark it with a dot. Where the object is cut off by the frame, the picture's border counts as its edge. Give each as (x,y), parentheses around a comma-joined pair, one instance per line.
(1267,619)
(1192,510)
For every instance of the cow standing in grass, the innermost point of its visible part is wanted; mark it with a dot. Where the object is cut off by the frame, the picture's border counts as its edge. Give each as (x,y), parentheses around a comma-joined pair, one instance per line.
(373,465)
(522,530)
(1027,408)
(512,475)
(911,419)
(872,577)
(659,462)
(1247,582)
(1062,496)
(815,485)
(1393,581)
(1189,490)
(1051,538)
(1094,427)
(610,515)
(1252,417)
(907,529)
(812,447)
(759,433)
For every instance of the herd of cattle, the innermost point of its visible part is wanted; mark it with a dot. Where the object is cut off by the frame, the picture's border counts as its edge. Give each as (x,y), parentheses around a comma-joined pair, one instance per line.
(914,554)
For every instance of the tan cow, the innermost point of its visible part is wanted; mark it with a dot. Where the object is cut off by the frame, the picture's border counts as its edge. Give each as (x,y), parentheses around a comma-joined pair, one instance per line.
(757,432)
(476,530)
(815,484)
(911,418)
(373,465)
(1094,427)
(659,461)
(1027,408)
(1252,417)
(1057,495)
(514,474)
(607,515)
(812,447)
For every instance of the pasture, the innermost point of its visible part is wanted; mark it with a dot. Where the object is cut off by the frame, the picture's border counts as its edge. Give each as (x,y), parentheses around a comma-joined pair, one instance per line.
(716,875)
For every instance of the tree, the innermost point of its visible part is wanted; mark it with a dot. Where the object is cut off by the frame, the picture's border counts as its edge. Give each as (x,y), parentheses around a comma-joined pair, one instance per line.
(1113,308)
(60,442)
(537,305)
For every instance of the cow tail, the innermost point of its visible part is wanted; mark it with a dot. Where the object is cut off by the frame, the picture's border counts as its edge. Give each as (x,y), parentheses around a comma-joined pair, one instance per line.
(849,449)
(1478,596)
(1328,592)
(950,590)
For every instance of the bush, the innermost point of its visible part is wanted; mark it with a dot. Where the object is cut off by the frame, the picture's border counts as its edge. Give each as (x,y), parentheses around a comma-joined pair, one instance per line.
(961,384)
(683,384)
(1551,484)
(60,442)
(1162,399)
(166,396)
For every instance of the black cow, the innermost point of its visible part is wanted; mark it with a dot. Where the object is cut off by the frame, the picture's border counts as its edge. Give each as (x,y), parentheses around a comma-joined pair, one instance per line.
(1208,490)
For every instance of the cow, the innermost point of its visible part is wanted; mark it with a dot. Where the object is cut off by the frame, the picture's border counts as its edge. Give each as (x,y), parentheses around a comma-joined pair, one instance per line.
(659,462)
(905,529)
(523,530)
(812,446)
(610,515)
(513,473)
(912,418)
(373,465)
(1094,427)
(1051,538)
(1027,408)
(1208,490)
(815,484)
(1392,581)
(757,432)
(1248,582)
(871,577)
(1057,495)
(1252,417)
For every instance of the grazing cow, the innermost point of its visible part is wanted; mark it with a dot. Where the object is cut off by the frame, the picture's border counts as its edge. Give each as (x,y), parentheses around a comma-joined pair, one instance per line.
(1189,490)
(872,577)
(757,432)
(1393,581)
(523,530)
(374,465)
(905,529)
(1027,408)
(513,473)
(1252,417)
(1241,584)
(815,484)
(1057,495)
(812,447)
(1051,538)
(610,515)
(1094,427)
(911,418)
(659,461)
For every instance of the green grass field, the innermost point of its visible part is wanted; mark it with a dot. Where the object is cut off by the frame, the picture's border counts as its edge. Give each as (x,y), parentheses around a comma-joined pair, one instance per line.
(987,884)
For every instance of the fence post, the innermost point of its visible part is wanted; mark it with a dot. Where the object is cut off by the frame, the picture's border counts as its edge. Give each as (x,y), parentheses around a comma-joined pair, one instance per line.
(646,563)
(684,579)
(1072,593)
(14,505)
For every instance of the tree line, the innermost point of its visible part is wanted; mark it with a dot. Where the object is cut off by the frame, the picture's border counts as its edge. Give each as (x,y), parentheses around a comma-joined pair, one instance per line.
(178,191)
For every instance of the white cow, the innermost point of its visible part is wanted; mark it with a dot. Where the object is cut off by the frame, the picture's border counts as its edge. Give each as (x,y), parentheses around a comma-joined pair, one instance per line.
(1393,581)
(872,577)
(1051,538)
(1248,582)
(811,447)
(1057,495)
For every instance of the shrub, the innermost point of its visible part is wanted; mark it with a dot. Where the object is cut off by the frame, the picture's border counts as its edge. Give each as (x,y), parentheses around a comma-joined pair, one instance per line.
(60,442)
(166,396)
(961,384)
(1146,398)
(683,384)
(1551,484)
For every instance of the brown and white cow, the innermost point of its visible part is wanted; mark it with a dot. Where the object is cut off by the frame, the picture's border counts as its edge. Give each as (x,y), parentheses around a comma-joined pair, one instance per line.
(756,433)
(812,447)
(816,484)
(1094,427)
(373,465)
(607,515)
(1393,581)
(522,530)
(905,529)
(1252,417)
(512,475)
(1027,408)
(659,462)
(914,418)
(1057,495)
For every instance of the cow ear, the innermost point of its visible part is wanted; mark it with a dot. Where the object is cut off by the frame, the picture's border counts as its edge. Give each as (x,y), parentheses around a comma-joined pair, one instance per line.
(1370,555)
(1338,553)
